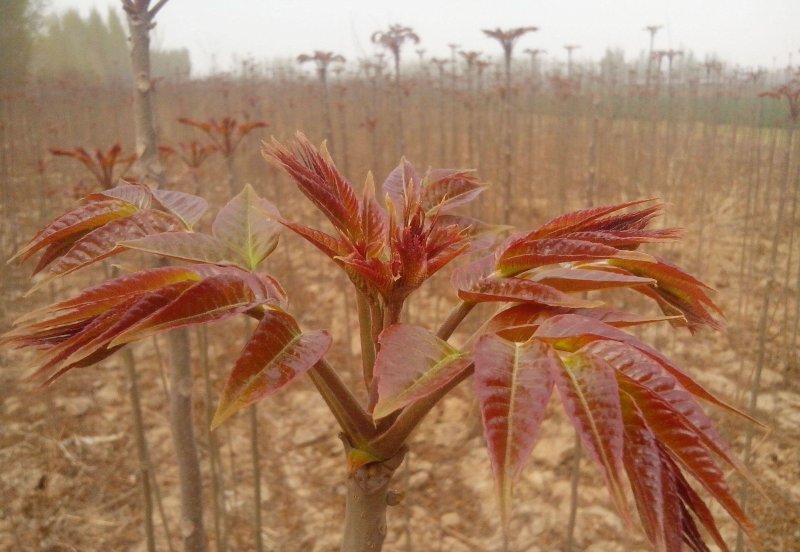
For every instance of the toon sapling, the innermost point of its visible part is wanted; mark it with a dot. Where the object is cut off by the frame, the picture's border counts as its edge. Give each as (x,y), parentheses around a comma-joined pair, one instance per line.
(637,414)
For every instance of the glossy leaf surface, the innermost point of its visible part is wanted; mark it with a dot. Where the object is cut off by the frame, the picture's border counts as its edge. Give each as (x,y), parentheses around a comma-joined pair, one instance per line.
(104,241)
(520,290)
(78,221)
(588,389)
(214,298)
(187,207)
(276,354)
(412,363)
(185,246)
(513,383)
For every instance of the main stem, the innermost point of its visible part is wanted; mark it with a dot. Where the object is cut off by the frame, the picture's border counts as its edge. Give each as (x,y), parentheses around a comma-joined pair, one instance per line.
(368,495)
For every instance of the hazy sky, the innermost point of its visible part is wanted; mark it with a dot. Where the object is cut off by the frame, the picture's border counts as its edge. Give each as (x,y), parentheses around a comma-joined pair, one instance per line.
(747,32)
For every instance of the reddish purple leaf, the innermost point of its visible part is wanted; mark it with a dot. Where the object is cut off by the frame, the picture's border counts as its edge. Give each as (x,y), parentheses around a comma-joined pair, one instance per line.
(570,332)
(276,354)
(589,393)
(411,364)
(214,298)
(186,246)
(513,383)
(577,279)
(78,221)
(687,445)
(320,180)
(187,207)
(520,290)
(103,242)
(521,255)
(653,486)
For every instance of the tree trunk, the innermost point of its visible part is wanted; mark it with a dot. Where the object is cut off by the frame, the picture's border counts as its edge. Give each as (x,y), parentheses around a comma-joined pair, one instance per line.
(140,21)
(139,24)
(368,495)
(141,448)
(180,411)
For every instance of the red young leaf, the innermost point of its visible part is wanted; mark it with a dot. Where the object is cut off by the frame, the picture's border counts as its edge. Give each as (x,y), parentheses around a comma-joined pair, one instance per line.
(186,246)
(320,180)
(521,290)
(187,207)
(576,279)
(470,275)
(103,242)
(578,220)
(277,353)
(675,291)
(521,255)
(627,239)
(482,235)
(513,383)
(446,189)
(136,194)
(653,486)
(368,274)
(694,504)
(519,322)
(589,392)
(78,221)
(631,221)
(373,222)
(266,289)
(216,297)
(394,187)
(117,290)
(412,363)
(329,245)
(58,351)
(687,445)
(56,250)
(650,374)
(100,333)
(570,332)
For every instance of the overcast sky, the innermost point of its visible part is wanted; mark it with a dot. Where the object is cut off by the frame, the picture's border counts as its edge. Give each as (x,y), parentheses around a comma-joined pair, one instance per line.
(749,33)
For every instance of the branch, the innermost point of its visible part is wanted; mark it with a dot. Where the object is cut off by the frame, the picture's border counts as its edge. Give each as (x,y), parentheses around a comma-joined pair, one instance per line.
(454,319)
(366,338)
(155,9)
(352,417)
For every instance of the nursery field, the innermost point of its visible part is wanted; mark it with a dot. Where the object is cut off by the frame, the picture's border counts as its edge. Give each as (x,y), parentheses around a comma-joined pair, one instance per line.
(725,161)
